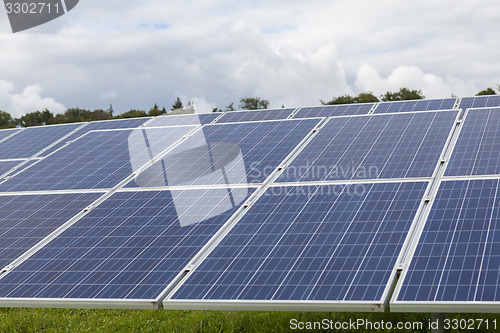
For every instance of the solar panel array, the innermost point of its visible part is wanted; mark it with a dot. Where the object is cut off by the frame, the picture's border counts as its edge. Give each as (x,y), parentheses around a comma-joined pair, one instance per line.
(317,208)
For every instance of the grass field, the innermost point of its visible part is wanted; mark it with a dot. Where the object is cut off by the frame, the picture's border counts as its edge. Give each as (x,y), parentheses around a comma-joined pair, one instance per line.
(70,320)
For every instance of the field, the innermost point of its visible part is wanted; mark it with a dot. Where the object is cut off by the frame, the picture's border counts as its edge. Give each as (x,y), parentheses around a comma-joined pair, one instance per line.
(71,320)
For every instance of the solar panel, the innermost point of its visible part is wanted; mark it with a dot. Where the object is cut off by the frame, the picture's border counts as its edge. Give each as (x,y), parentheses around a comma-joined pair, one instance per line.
(32,140)
(184,119)
(129,247)
(477,151)
(416,105)
(100,159)
(5,166)
(372,147)
(5,133)
(456,261)
(332,243)
(99,125)
(255,115)
(27,219)
(334,110)
(225,154)
(480,102)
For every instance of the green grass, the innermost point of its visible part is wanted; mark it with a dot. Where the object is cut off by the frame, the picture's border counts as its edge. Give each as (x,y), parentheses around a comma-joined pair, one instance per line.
(70,320)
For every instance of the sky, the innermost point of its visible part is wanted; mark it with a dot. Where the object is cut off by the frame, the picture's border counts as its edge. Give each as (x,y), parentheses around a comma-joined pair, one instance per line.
(133,54)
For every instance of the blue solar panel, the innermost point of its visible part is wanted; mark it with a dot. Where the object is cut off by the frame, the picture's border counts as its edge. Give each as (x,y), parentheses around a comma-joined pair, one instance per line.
(480,102)
(321,243)
(334,110)
(457,258)
(477,151)
(5,133)
(100,125)
(97,160)
(371,147)
(129,247)
(185,119)
(228,154)
(33,139)
(27,219)
(255,115)
(416,105)
(5,166)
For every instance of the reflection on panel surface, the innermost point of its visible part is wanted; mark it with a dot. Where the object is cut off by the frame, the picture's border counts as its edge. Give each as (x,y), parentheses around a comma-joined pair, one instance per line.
(129,247)
(328,243)
(228,154)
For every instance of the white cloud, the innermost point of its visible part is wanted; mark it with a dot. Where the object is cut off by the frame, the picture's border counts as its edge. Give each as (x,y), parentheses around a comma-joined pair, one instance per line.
(29,100)
(134,54)
(412,77)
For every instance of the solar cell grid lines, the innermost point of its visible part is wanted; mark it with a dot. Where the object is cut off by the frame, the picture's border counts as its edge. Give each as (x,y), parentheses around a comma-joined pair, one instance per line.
(334,110)
(416,105)
(100,159)
(237,153)
(400,145)
(27,219)
(457,257)
(99,125)
(480,102)
(185,119)
(477,151)
(33,140)
(5,133)
(5,166)
(129,247)
(310,243)
(255,115)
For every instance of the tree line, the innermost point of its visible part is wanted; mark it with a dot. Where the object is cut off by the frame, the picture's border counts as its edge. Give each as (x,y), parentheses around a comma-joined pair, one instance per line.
(73,115)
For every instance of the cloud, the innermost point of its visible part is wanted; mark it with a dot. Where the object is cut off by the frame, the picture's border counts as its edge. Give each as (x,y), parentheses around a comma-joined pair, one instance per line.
(29,100)
(293,53)
(412,77)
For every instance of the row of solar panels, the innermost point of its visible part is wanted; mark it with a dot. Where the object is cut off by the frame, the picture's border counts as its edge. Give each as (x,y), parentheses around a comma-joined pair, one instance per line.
(310,214)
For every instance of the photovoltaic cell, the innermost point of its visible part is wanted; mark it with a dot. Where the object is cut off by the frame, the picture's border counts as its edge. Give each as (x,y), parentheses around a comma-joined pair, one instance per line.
(97,160)
(5,166)
(99,125)
(5,133)
(228,154)
(477,151)
(458,255)
(32,140)
(185,119)
(334,110)
(129,247)
(27,219)
(416,105)
(310,243)
(372,147)
(480,102)
(255,115)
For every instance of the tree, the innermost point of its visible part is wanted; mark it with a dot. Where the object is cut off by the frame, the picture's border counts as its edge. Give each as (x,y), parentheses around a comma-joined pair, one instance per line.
(487,91)
(75,115)
(155,111)
(36,118)
(364,97)
(367,97)
(6,120)
(100,114)
(133,114)
(402,95)
(253,103)
(177,104)
(345,99)
(230,107)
